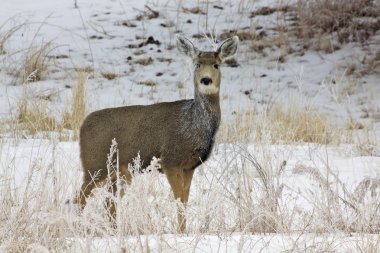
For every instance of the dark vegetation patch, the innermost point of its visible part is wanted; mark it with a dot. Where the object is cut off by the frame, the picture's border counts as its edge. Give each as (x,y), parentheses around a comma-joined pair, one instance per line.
(148,13)
(167,24)
(320,25)
(264,11)
(96,37)
(232,63)
(149,83)
(203,35)
(163,59)
(109,75)
(126,23)
(243,35)
(345,20)
(149,40)
(59,56)
(144,61)
(194,10)
(86,69)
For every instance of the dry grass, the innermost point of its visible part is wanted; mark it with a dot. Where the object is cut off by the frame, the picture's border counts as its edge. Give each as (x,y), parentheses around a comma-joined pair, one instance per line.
(279,125)
(73,118)
(34,114)
(340,87)
(343,20)
(86,69)
(371,64)
(144,61)
(36,118)
(149,83)
(6,34)
(242,192)
(109,75)
(298,124)
(365,141)
(243,128)
(35,63)
(340,209)
(321,25)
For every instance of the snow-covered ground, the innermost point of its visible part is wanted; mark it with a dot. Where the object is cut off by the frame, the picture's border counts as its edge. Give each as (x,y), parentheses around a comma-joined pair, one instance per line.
(320,194)
(313,189)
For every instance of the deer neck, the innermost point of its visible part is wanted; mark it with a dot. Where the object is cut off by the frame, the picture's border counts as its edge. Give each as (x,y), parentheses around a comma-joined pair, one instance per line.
(200,119)
(206,106)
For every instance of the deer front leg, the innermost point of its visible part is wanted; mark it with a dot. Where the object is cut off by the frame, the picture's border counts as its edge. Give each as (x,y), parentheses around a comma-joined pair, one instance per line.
(177,183)
(188,176)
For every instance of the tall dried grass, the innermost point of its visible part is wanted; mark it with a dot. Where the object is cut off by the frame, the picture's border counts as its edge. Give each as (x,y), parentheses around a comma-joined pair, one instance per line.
(73,118)
(34,114)
(244,190)
(34,64)
(5,34)
(280,125)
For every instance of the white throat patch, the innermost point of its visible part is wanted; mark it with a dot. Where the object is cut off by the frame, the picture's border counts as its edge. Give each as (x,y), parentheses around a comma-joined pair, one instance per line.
(208,89)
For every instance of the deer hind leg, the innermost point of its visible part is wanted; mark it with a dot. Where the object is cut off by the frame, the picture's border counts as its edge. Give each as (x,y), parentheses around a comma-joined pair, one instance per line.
(188,176)
(89,183)
(125,177)
(180,181)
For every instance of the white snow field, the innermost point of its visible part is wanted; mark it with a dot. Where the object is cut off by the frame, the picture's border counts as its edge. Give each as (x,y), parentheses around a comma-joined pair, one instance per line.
(296,165)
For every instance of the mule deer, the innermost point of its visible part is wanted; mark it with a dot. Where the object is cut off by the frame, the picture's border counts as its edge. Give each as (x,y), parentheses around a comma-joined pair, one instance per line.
(180,133)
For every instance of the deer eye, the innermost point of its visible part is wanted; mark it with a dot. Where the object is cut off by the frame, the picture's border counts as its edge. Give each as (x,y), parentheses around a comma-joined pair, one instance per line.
(197,66)
(216,66)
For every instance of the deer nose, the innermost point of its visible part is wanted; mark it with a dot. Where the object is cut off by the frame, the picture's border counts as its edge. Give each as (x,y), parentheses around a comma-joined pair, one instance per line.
(206,80)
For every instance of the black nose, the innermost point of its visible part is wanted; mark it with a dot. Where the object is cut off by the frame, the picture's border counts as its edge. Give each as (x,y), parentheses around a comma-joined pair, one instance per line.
(206,80)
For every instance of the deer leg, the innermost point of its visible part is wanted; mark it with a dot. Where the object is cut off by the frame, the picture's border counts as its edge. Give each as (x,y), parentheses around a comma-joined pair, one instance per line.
(176,181)
(88,185)
(188,176)
(109,203)
(124,176)
(84,192)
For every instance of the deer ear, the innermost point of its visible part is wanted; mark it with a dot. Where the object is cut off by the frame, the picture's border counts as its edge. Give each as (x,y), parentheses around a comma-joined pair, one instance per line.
(228,48)
(185,47)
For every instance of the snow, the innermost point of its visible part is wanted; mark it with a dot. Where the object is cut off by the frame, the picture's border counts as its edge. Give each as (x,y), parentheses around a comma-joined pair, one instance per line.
(299,191)
(267,243)
(93,36)
(69,28)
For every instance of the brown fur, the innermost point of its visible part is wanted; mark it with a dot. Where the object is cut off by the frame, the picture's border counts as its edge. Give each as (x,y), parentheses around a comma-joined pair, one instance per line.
(180,133)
